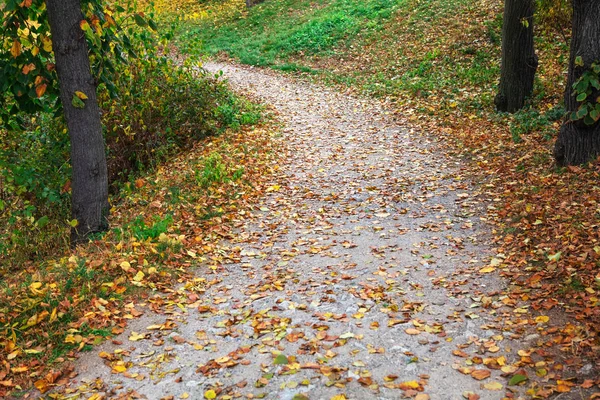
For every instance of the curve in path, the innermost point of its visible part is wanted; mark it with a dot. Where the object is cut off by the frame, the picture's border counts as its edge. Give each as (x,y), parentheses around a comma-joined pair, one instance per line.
(351,278)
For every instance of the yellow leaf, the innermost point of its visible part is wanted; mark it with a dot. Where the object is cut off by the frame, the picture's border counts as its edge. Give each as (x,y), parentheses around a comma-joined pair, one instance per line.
(210,394)
(508,369)
(493,386)
(15,50)
(81,95)
(486,270)
(13,354)
(46,44)
(542,319)
(41,385)
(53,315)
(134,337)
(16,370)
(119,368)
(409,385)
(139,276)
(36,285)
(339,397)
(125,266)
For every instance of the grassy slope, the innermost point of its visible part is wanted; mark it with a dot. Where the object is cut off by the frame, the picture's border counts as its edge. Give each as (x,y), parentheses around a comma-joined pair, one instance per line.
(438,62)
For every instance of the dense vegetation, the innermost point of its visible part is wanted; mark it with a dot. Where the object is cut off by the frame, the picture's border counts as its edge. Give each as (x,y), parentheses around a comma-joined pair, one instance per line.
(151,108)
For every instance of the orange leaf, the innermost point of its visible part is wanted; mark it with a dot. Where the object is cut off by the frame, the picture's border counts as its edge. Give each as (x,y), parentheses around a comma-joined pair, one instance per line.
(481,374)
(28,68)
(409,385)
(15,50)
(40,90)
(42,385)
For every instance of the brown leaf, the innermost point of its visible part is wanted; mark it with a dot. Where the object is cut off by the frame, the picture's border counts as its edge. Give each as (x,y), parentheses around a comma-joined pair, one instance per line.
(481,374)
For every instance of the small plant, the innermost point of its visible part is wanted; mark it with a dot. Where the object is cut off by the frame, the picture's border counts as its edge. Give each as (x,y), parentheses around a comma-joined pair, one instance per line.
(141,231)
(530,120)
(586,90)
(215,171)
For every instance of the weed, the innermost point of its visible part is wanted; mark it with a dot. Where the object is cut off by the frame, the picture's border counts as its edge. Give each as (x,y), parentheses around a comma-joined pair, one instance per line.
(141,231)
(215,171)
(529,120)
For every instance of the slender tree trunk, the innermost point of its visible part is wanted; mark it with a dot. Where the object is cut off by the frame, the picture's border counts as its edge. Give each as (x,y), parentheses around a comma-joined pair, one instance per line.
(578,143)
(519,62)
(89,182)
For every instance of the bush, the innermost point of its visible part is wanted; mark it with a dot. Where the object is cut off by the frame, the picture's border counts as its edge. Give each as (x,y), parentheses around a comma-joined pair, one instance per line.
(152,108)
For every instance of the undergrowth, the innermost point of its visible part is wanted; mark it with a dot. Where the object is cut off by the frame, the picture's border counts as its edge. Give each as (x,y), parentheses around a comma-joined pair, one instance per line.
(153,109)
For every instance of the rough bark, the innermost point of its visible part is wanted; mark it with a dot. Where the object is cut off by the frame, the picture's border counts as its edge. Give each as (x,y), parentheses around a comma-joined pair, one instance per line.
(578,143)
(89,178)
(519,61)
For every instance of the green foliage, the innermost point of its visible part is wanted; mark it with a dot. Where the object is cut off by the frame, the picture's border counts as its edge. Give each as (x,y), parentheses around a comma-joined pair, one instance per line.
(142,231)
(295,28)
(151,108)
(530,120)
(587,93)
(215,171)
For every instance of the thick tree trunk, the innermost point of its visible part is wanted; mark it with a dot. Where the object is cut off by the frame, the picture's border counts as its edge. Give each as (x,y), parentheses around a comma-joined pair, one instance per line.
(89,182)
(519,62)
(578,143)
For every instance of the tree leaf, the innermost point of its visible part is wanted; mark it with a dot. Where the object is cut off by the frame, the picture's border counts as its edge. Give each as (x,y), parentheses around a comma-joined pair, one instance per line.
(481,374)
(281,360)
(81,95)
(140,20)
(77,102)
(516,379)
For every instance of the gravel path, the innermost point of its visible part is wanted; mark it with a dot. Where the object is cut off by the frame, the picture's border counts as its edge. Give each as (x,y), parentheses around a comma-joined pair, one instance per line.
(353,277)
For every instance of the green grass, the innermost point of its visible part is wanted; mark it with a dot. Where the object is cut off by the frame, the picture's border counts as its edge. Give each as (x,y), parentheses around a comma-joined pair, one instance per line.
(294,28)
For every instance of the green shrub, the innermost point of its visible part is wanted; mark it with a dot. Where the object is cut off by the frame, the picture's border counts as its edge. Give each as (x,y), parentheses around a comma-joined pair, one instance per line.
(151,109)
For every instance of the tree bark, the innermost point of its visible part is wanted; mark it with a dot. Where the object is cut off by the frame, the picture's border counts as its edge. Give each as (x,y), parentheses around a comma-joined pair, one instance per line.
(519,61)
(578,143)
(89,177)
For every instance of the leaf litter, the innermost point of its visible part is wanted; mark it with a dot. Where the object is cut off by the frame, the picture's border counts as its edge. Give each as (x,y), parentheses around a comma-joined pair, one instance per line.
(364,270)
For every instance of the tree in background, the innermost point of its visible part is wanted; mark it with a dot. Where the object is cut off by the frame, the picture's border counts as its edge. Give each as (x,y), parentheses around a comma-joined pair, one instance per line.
(579,137)
(80,106)
(250,3)
(519,61)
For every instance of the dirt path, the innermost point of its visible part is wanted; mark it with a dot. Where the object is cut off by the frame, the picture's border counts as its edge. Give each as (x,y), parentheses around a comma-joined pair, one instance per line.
(354,275)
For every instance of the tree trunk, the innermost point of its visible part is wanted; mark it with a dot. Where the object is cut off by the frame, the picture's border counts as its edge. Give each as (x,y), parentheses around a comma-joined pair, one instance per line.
(578,143)
(89,181)
(519,61)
